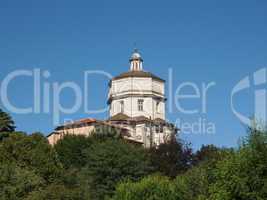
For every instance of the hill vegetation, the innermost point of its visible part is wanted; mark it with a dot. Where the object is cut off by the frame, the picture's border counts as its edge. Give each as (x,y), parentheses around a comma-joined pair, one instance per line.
(102,167)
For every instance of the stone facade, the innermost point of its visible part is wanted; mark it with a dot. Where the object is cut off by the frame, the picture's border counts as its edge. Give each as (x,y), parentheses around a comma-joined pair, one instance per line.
(133,89)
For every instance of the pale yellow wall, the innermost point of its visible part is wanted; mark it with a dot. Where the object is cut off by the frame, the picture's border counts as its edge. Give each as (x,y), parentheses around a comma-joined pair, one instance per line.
(85,130)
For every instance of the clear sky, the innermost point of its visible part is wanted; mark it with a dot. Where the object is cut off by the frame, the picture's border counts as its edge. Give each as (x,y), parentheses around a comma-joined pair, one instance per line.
(201,41)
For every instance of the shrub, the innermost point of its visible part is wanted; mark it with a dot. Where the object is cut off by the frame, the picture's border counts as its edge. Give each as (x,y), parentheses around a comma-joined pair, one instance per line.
(150,188)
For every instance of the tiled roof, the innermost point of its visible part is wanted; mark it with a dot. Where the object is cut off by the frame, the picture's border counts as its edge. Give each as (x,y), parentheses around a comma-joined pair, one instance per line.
(86,121)
(141,74)
(76,123)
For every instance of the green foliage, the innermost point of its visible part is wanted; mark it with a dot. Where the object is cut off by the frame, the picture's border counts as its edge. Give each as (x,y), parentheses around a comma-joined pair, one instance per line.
(7,125)
(172,158)
(57,192)
(30,169)
(195,183)
(70,151)
(6,122)
(104,166)
(243,176)
(207,153)
(220,174)
(32,152)
(18,183)
(150,188)
(99,162)
(111,161)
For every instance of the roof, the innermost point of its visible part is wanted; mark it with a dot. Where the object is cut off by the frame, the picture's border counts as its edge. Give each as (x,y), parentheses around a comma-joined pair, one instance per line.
(123,117)
(119,117)
(141,74)
(138,119)
(142,119)
(84,122)
(132,140)
(76,123)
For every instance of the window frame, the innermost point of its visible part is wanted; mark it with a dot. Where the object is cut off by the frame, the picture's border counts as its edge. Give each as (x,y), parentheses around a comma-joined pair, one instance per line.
(157,106)
(140,105)
(122,106)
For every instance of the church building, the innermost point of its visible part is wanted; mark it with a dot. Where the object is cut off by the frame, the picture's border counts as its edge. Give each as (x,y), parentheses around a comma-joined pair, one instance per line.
(136,102)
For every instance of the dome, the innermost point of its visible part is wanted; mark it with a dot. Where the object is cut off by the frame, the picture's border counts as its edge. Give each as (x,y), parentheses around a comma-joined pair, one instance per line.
(136,55)
(138,74)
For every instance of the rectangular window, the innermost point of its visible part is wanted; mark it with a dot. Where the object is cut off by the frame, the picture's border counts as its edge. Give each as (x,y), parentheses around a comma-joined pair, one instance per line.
(159,129)
(122,106)
(140,104)
(157,106)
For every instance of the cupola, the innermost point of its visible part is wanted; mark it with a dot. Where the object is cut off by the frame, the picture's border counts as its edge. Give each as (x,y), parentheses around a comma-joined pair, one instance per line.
(136,61)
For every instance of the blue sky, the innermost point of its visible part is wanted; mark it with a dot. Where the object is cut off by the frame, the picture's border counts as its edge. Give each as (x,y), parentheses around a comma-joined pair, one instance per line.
(201,41)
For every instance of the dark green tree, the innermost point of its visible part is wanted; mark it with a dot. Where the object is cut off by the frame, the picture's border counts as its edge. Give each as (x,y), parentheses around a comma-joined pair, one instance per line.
(18,183)
(206,153)
(172,158)
(32,152)
(70,150)
(6,122)
(57,191)
(110,162)
(210,153)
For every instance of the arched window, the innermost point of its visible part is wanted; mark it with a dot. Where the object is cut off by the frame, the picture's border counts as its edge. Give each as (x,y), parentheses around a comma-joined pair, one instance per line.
(135,65)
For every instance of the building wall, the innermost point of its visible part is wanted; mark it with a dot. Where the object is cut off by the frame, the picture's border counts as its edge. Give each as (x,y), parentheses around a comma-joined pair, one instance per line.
(57,135)
(141,85)
(130,90)
(140,133)
(143,131)
(158,87)
(140,129)
(54,138)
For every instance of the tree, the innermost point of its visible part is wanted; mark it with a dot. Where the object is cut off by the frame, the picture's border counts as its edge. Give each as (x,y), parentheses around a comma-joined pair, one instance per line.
(206,153)
(6,122)
(243,176)
(18,183)
(30,169)
(150,188)
(57,191)
(194,184)
(32,152)
(110,162)
(172,158)
(210,154)
(70,150)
